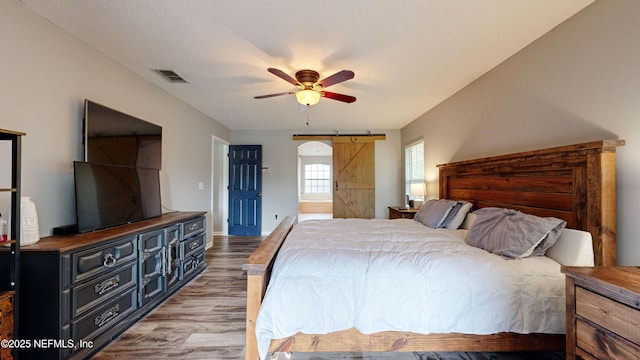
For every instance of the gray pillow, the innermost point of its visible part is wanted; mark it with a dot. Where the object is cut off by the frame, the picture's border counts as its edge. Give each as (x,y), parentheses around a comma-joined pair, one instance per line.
(456,215)
(513,234)
(434,212)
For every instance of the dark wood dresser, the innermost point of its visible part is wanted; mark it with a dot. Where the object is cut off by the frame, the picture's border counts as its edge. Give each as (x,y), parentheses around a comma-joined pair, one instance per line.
(78,292)
(603,312)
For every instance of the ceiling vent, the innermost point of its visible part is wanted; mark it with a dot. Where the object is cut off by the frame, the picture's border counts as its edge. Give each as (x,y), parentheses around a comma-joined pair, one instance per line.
(171,76)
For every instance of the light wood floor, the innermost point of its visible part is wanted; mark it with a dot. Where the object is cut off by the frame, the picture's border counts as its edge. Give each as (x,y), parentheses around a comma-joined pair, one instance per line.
(203,320)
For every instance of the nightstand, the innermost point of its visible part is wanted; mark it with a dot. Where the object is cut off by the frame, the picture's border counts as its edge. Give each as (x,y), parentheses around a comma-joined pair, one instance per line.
(603,312)
(398,212)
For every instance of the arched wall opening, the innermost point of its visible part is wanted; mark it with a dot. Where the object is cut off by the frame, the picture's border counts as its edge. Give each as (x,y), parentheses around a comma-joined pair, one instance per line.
(315,176)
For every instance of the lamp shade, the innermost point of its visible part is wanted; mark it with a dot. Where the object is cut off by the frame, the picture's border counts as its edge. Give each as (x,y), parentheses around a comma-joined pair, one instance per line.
(418,189)
(308,97)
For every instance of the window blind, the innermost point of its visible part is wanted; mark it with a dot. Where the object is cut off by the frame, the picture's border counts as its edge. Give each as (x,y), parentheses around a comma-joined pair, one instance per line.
(413,165)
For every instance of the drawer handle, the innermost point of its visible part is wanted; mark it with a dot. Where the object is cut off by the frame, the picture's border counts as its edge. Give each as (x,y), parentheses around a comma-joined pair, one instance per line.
(194,245)
(166,257)
(194,227)
(107,285)
(109,260)
(107,316)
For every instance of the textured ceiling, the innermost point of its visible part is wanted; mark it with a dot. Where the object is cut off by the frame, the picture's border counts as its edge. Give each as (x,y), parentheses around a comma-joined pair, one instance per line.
(407,55)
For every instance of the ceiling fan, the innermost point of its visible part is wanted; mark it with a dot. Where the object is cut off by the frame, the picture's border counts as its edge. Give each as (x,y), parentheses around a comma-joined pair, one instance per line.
(310,88)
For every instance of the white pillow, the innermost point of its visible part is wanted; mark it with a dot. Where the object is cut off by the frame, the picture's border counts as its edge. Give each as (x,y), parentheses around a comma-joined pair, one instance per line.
(573,248)
(468,221)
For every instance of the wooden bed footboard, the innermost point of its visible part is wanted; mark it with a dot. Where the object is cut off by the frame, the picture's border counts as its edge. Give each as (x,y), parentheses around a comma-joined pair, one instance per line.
(393,341)
(258,267)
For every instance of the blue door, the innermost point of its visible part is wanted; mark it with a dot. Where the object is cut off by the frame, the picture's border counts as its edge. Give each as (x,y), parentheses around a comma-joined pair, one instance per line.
(245,190)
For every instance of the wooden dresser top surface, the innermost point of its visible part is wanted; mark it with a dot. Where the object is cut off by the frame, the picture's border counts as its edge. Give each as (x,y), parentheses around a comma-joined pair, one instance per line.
(621,283)
(65,243)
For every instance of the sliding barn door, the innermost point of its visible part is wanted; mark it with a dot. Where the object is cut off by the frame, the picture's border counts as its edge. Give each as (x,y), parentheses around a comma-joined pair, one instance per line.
(354,177)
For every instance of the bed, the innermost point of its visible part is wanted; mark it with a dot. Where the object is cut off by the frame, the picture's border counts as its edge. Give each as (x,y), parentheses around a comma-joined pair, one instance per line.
(574,183)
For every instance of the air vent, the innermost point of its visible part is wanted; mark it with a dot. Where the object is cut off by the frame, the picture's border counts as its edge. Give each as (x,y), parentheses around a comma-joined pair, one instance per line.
(170,75)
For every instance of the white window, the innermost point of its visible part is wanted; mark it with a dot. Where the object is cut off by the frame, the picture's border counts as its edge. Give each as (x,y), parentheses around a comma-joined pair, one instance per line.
(317,178)
(413,166)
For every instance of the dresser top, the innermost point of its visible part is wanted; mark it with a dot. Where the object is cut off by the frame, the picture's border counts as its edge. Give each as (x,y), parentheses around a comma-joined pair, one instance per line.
(65,243)
(621,283)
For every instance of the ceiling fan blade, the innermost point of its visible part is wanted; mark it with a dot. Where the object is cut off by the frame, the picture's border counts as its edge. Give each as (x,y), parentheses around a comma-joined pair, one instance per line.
(339,97)
(283,75)
(272,95)
(338,77)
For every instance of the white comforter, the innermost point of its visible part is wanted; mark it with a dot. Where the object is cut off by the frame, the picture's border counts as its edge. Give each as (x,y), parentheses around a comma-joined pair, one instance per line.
(379,275)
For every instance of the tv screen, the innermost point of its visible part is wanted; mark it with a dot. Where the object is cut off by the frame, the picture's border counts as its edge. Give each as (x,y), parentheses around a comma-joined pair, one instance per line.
(109,195)
(115,138)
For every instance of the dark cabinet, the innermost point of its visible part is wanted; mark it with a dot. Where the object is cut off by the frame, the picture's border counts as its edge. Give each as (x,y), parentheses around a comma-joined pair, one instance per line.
(161,258)
(153,255)
(86,289)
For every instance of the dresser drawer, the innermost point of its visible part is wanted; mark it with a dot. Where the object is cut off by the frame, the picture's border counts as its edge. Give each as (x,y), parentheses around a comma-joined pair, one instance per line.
(609,314)
(193,245)
(105,317)
(593,343)
(193,263)
(92,293)
(193,227)
(103,259)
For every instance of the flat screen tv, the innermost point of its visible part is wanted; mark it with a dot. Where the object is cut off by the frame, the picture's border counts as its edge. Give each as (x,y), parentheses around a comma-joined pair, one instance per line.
(110,195)
(112,137)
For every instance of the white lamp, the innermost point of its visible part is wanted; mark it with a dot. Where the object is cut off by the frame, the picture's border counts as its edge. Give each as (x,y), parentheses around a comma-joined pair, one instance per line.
(308,97)
(418,189)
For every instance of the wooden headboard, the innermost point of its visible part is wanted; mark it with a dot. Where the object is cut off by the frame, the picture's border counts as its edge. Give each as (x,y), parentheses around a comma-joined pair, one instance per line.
(576,183)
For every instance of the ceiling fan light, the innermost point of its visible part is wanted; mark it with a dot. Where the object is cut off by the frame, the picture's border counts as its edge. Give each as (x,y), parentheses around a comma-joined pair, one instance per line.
(308,97)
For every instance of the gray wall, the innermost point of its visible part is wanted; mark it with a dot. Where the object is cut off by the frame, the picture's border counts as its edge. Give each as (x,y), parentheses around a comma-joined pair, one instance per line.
(47,75)
(580,82)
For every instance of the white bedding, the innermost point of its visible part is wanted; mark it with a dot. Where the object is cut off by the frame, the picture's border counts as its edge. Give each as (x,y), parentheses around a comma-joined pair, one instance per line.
(380,275)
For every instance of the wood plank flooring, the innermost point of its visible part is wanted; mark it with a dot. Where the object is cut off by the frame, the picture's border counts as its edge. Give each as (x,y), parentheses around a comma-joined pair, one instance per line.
(203,320)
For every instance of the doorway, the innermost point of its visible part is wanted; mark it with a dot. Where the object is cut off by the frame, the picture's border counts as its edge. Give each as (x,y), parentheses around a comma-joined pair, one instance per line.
(315,176)
(219,181)
(245,190)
